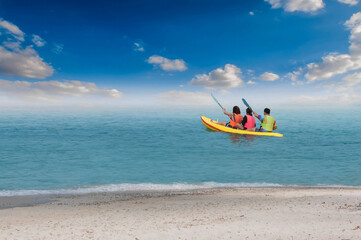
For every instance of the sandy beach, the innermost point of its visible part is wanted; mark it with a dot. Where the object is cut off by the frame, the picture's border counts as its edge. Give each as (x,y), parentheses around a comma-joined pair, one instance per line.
(242,213)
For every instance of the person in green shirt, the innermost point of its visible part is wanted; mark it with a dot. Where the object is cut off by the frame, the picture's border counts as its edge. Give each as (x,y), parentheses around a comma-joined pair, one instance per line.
(268,122)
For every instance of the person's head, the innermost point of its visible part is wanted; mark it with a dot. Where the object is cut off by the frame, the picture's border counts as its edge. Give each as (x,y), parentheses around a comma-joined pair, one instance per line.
(249,111)
(267,111)
(236,110)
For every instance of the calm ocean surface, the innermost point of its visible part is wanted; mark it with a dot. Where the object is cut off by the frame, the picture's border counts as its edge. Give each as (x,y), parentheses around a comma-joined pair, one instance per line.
(68,152)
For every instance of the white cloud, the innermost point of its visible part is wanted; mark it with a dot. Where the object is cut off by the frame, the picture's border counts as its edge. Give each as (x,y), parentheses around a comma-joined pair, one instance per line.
(326,101)
(58,48)
(354,25)
(251,13)
(352,80)
(224,92)
(350,83)
(53,91)
(297,5)
(138,47)
(268,76)
(17,60)
(275,3)
(186,98)
(332,65)
(11,45)
(307,99)
(294,75)
(335,64)
(304,5)
(38,41)
(23,62)
(12,29)
(349,2)
(251,82)
(229,77)
(339,93)
(167,64)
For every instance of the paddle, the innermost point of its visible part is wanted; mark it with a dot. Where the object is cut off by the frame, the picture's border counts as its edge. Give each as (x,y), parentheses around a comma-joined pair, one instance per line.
(246,103)
(216,101)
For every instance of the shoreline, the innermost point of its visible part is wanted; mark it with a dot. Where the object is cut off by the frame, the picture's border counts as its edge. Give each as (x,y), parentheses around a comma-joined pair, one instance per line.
(238,213)
(38,199)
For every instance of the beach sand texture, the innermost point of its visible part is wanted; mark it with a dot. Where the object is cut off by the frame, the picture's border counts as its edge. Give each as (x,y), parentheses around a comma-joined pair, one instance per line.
(242,213)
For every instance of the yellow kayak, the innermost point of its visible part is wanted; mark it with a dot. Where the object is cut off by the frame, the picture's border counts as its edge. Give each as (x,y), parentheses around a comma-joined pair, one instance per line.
(213,125)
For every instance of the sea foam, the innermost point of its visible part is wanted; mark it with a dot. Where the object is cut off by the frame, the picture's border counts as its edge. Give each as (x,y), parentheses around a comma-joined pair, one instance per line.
(135,187)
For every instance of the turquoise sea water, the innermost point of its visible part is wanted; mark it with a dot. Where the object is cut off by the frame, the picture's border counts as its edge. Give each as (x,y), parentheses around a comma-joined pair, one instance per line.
(75,151)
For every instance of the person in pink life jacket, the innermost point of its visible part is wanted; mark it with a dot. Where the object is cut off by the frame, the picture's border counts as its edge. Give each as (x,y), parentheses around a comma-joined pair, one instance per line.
(248,122)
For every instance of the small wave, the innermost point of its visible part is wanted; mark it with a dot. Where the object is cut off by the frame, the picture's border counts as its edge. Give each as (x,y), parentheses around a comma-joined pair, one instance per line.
(143,187)
(131,187)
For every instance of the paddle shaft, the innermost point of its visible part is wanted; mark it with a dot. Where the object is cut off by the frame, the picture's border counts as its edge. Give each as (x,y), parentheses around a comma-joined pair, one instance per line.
(216,101)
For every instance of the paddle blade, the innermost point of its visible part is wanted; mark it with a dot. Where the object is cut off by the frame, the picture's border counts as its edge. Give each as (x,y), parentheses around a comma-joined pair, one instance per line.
(246,103)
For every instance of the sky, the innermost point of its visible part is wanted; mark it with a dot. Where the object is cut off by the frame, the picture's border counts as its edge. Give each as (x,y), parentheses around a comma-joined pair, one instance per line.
(175,53)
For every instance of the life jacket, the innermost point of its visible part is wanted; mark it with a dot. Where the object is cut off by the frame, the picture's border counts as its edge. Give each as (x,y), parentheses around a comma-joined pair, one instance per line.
(268,123)
(238,119)
(251,122)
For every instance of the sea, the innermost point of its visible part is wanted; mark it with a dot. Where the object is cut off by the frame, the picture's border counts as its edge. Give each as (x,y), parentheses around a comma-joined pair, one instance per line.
(85,151)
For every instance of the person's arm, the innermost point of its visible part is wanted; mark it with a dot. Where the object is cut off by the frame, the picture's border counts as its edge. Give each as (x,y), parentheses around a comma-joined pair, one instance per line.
(257,116)
(274,126)
(230,115)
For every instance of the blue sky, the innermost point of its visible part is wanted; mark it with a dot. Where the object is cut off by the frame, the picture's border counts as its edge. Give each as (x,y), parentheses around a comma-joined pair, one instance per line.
(180,51)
